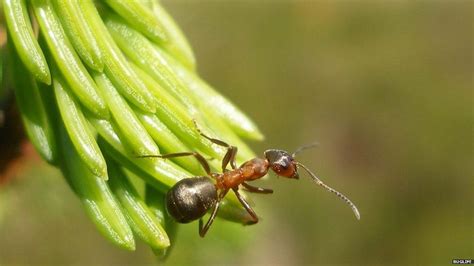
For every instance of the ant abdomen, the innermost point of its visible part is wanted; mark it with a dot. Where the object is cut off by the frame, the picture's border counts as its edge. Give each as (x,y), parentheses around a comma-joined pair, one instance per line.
(191,198)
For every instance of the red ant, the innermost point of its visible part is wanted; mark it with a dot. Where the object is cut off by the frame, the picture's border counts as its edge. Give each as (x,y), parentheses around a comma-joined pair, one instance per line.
(191,198)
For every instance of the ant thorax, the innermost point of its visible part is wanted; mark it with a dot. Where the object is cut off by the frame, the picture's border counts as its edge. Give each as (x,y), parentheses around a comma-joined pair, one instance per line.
(254,169)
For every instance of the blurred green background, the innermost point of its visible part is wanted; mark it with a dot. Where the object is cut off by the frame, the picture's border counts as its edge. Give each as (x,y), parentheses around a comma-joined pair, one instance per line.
(386,87)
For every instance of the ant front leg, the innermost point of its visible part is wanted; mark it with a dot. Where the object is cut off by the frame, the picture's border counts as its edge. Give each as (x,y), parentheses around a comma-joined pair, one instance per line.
(229,157)
(246,206)
(231,150)
(257,189)
(198,156)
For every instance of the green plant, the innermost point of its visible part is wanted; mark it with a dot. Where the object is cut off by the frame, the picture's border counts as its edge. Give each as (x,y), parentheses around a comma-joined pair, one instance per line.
(104,83)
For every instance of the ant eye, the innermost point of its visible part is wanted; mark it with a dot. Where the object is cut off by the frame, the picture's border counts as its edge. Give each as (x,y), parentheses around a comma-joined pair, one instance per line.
(283,163)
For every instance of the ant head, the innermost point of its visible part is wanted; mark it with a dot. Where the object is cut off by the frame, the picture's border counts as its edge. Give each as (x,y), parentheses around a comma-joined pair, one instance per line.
(282,163)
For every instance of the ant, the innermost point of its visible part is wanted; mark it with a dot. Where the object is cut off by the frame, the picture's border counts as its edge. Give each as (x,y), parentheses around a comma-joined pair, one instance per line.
(191,198)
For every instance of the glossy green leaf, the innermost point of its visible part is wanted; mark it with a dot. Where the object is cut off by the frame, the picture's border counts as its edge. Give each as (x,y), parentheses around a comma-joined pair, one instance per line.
(177,117)
(80,33)
(182,83)
(96,197)
(212,100)
(78,129)
(219,128)
(167,141)
(141,17)
(21,33)
(141,51)
(156,203)
(132,130)
(38,126)
(123,86)
(141,219)
(159,173)
(178,45)
(66,58)
(117,67)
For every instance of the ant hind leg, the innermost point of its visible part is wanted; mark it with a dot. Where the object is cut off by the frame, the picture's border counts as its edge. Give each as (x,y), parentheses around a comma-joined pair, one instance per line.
(203,229)
(247,207)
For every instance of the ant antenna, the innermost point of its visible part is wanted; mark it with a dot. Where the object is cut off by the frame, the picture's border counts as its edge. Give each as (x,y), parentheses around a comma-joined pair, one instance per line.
(305,147)
(339,194)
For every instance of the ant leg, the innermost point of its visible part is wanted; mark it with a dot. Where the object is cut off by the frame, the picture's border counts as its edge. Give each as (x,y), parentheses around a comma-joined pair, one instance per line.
(257,189)
(231,150)
(229,157)
(246,206)
(198,156)
(203,230)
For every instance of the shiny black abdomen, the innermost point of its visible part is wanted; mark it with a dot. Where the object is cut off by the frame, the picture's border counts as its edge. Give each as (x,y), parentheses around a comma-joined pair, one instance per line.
(190,198)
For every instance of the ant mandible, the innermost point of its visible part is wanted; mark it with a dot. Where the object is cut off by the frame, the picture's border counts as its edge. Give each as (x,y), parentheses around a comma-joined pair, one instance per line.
(191,198)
